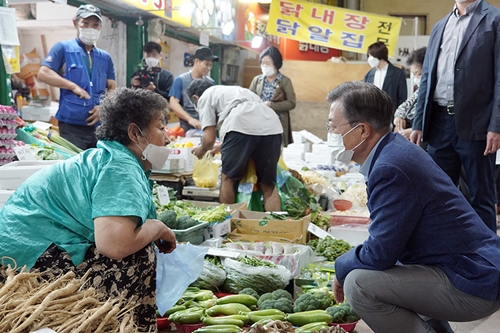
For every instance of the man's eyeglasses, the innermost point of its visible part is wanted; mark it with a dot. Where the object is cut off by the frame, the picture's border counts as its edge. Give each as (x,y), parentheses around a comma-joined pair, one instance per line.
(330,129)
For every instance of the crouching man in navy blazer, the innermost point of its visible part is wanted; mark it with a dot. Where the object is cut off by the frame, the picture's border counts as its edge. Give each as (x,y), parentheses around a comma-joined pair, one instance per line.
(429,255)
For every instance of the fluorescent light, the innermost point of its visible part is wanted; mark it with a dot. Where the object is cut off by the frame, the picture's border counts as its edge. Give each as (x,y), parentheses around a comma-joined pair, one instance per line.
(186,9)
(228,28)
(256,41)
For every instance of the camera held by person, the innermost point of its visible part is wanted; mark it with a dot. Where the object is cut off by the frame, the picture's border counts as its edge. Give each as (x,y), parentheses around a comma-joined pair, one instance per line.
(151,76)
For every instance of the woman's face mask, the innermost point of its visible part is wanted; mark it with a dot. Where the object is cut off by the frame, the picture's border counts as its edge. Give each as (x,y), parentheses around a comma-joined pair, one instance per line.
(156,155)
(268,70)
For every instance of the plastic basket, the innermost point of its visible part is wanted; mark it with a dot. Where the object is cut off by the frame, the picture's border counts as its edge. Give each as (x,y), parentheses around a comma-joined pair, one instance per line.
(348,327)
(193,235)
(187,328)
(162,323)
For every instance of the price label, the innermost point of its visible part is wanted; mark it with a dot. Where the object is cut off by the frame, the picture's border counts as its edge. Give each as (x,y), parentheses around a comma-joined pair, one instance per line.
(23,153)
(163,196)
(313,229)
(42,125)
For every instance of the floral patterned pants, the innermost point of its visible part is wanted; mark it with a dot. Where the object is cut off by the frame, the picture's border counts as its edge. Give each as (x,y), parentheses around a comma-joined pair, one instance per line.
(134,275)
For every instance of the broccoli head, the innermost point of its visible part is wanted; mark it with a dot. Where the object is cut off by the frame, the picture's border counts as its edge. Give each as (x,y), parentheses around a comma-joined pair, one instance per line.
(282,304)
(249,291)
(280,293)
(185,222)
(342,313)
(312,301)
(264,297)
(169,217)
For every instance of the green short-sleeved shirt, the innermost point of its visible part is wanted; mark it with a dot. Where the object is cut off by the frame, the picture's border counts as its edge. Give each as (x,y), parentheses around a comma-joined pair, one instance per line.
(59,203)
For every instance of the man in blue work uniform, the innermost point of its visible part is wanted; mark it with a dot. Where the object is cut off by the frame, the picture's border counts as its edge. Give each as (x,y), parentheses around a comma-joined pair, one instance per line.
(83,73)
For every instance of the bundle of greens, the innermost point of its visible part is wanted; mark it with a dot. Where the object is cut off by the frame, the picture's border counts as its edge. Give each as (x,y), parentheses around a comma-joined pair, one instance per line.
(329,247)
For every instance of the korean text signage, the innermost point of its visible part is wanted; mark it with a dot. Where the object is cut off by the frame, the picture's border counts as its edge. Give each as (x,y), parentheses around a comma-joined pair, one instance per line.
(334,27)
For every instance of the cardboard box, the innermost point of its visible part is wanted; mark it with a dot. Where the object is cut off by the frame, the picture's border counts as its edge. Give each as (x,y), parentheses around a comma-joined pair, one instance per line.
(30,64)
(251,226)
(218,230)
(174,165)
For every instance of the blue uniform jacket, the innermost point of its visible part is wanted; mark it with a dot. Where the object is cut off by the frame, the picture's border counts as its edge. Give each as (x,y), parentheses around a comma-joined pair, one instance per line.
(420,218)
(67,59)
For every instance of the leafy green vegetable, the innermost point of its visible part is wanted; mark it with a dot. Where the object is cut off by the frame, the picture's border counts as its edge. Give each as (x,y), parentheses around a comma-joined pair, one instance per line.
(329,247)
(212,214)
(185,222)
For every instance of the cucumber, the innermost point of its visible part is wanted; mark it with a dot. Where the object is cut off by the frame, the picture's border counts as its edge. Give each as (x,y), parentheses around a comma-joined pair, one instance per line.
(243,317)
(307,317)
(174,309)
(227,309)
(218,329)
(312,327)
(187,317)
(253,318)
(267,312)
(247,300)
(209,321)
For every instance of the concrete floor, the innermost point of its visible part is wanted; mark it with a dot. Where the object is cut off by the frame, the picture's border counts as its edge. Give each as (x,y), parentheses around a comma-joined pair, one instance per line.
(490,324)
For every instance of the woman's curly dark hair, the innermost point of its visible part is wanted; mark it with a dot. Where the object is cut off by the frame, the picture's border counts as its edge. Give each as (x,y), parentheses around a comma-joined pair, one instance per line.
(275,54)
(123,106)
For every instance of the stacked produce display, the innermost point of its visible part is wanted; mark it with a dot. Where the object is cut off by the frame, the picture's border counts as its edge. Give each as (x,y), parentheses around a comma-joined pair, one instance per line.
(8,127)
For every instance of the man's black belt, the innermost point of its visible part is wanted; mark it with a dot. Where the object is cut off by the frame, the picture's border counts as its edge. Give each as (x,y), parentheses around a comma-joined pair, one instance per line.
(448,109)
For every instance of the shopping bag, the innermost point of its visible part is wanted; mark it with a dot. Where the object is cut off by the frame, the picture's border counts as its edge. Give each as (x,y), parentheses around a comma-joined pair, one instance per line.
(250,175)
(175,271)
(205,172)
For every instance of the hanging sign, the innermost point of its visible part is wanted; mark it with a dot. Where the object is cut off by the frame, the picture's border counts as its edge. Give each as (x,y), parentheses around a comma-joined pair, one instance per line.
(334,27)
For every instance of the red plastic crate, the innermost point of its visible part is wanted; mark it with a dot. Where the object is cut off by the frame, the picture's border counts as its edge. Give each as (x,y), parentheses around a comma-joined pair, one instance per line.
(188,328)
(349,327)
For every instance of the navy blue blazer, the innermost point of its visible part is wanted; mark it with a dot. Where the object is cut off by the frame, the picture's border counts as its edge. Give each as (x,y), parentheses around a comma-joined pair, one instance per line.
(419,217)
(394,84)
(477,77)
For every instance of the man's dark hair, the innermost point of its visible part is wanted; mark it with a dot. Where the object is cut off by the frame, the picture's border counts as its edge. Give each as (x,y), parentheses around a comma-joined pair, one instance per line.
(275,54)
(123,106)
(151,46)
(198,87)
(379,50)
(363,102)
(416,57)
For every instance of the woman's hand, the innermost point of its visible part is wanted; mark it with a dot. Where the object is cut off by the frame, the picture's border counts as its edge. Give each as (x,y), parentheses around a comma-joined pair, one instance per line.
(166,242)
(399,123)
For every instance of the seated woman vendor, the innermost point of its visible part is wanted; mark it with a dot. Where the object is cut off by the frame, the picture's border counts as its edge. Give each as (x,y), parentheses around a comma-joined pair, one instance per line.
(96,210)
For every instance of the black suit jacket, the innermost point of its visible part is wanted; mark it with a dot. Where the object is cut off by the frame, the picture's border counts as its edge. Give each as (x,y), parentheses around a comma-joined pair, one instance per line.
(477,77)
(394,84)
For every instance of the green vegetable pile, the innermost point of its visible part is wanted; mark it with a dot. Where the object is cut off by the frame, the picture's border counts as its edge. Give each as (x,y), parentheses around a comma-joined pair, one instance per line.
(45,153)
(212,276)
(249,291)
(212,214)
(312,301)
(343,313)
(250,272)
(279,299)
(171,220)
(329,247)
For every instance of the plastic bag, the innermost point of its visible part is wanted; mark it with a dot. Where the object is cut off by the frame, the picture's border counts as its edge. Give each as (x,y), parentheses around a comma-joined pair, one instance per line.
(205,172)
(211,278)
(250,175)
(262,279)
(175,271)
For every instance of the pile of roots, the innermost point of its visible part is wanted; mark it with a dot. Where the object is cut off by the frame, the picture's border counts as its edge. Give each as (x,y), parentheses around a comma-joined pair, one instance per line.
(64,304)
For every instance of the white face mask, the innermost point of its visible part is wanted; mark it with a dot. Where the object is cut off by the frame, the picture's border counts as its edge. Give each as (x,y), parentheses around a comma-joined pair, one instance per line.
(156,155)
(89,36)
(268,70)
(152,62)
(342,154)
(373,61)
(417,81)
(461,0)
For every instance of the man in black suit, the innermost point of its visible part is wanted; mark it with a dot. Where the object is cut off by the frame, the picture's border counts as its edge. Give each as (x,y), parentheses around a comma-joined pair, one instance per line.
(458,107)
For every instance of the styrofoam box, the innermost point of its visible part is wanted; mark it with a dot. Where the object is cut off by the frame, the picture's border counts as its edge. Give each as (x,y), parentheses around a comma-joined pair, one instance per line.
(319,148)
(4,196)
(12,175)
(42,113)
(292,155)
(319,158)
(297,137)
(298,147)
(311,137)
(352,234)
